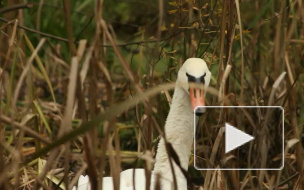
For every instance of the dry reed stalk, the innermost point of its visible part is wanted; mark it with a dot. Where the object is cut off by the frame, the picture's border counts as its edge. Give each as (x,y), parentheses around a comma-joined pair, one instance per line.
(11,15)
(67,14)
(115,161)
(210,175)
(237,4)
(10,44)
(147,130)
(27,130)
(192,43)
(289,72)
(295,129)
(290,143)
(274,89)
(66,122)
(112,123)
(25,71)
(93,110)
(277,41)
(222,43)
(44,74)
(133,78)
(15,7)
(81,49)
(85,66)
(292,98)
(221,94)
(78,174)
(296,41)
(18,142)
(230,33)
(14,165)
(113,166)
(38,18)
(80,52)
(93,172)
(66,125)
(51,160)
(263,142)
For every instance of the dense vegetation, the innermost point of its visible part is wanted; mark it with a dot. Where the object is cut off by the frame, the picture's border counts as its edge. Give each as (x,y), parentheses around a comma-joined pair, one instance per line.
(72,74)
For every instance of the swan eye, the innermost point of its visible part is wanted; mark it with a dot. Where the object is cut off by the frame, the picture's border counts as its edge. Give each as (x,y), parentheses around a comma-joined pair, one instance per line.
(202,78)
(196,80)
(191,78)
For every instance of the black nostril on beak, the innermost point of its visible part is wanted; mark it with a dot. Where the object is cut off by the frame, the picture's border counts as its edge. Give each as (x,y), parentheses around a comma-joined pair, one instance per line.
(200,111)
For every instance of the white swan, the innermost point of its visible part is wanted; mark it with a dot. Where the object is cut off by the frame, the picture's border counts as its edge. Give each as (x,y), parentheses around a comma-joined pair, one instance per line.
(179,131)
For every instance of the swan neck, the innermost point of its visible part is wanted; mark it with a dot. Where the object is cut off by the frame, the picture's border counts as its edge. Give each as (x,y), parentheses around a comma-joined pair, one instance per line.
(179,129)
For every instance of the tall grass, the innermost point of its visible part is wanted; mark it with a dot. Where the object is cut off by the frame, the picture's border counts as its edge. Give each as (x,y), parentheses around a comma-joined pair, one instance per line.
(81,93)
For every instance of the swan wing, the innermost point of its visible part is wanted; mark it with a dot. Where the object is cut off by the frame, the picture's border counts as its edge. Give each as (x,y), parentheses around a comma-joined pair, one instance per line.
(126,179)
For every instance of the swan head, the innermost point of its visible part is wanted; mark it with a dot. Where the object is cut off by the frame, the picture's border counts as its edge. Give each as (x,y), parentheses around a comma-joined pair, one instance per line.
(195,70)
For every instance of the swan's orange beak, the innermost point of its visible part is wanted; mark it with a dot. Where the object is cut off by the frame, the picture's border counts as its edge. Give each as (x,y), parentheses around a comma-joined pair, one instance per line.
(197,99)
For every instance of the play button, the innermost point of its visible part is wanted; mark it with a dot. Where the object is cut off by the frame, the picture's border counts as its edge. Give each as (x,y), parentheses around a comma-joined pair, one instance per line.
(239,138)
(235,138)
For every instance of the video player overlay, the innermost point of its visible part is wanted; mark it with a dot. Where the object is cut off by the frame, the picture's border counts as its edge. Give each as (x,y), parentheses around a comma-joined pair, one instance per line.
(239,138)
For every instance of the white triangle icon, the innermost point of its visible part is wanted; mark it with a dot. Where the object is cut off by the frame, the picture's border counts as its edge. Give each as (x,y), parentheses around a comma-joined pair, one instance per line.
(235,138)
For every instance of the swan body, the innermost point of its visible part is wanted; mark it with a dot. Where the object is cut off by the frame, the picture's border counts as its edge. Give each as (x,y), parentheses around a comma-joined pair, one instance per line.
(179,130)
(126,181)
